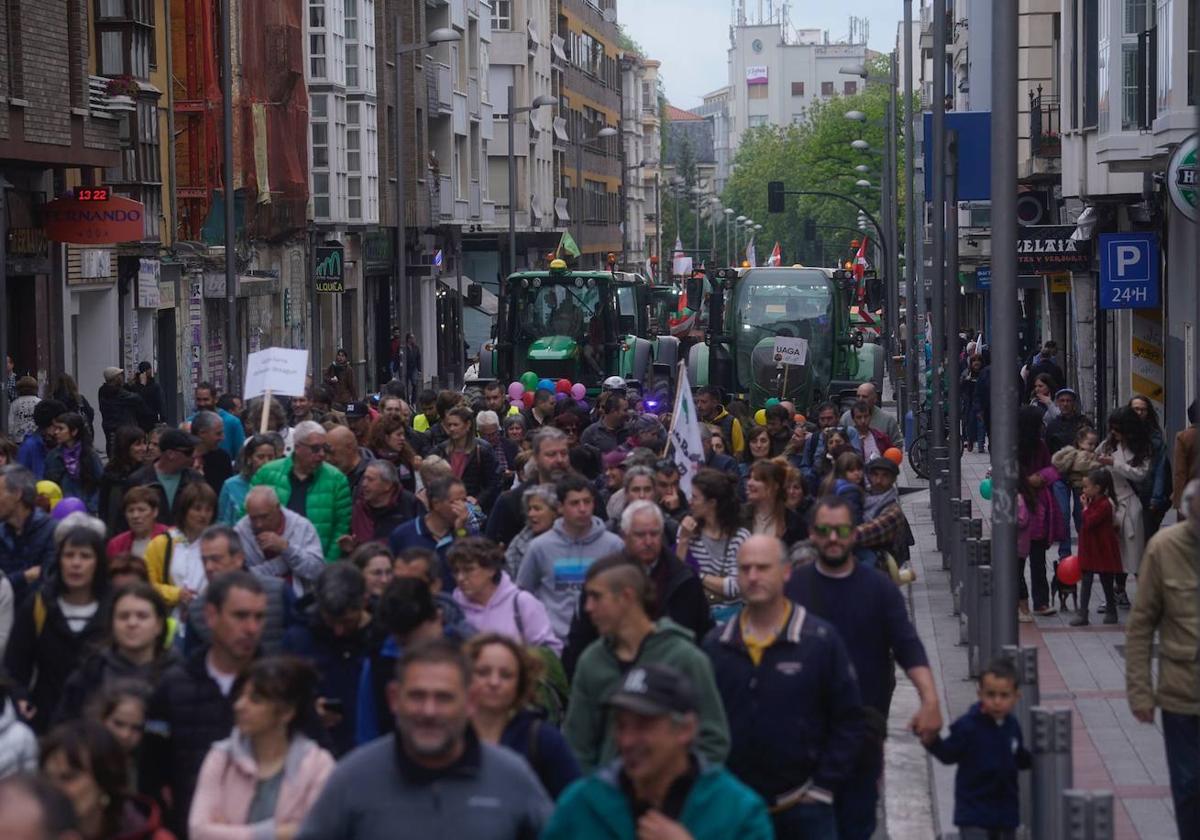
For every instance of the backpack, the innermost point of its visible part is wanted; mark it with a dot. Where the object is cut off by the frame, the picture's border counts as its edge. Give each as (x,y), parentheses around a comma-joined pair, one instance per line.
(552,688)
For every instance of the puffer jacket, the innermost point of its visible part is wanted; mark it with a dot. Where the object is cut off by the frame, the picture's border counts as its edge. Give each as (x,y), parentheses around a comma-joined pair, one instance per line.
(327,507)
(229,778)
(1166,601)
(18,744)
(34,546)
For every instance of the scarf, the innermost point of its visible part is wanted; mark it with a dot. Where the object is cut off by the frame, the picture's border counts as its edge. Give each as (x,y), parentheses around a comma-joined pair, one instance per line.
(71,457)
(362,518)
(874,503)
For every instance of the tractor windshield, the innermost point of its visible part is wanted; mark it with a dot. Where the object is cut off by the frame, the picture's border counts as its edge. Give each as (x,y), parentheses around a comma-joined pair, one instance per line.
(558,310)
(796,303)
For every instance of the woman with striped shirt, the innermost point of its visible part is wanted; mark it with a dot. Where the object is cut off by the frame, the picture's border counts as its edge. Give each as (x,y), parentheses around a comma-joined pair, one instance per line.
(709,538)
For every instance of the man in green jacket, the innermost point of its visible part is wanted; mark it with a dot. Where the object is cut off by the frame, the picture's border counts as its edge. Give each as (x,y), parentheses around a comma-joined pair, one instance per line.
(617,594)
(1167,585)
(306,485)
(659,787)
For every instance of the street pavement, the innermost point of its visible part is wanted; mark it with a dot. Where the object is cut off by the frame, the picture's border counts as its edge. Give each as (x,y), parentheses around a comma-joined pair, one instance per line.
(1081,669)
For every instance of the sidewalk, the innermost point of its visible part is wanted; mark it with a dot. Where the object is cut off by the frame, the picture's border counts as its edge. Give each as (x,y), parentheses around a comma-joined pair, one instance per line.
(1081,669)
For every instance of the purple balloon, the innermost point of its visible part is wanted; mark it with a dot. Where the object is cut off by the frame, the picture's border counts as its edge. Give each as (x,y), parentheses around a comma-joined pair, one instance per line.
(515,390)
(517,404)
(559,396)
(68,506)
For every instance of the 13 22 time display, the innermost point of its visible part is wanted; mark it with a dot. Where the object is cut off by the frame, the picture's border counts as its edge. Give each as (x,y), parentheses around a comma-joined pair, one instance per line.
(92,194)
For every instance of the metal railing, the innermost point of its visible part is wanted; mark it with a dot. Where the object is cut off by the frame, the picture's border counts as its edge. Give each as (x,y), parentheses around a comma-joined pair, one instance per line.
(1045,122)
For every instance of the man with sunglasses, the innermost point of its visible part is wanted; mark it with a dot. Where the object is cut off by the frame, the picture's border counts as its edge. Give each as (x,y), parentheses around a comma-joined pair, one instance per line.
(305,484)
(867,610)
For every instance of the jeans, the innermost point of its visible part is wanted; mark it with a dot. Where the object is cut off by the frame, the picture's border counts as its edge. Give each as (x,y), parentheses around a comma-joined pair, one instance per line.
(970,832)
(855,801)
(973,430)
(1182,736)
(807,821)
(1066,495)
(1037,573)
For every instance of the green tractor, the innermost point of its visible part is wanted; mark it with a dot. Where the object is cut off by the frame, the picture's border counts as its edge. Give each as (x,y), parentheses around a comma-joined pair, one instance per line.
(579,325)
(749,309)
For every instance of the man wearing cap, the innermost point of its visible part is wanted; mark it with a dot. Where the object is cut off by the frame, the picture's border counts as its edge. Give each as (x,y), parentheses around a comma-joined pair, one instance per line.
(660,787)
(358,418)
(169,474)
(790,694)
(884,526)
(119,406)
(618,597)
(611,430)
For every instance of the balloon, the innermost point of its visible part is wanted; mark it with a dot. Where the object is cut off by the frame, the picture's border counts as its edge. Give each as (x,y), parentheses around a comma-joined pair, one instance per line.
(51,491)
(894,455)
(515,390)
(985,488)
(1069,572)
(559,396)
(527,398)
(516,405)
(68,506)
(529,379)
(545,385)
(800,418)
(760,417)
(578,391)
(772,402)
(563,386)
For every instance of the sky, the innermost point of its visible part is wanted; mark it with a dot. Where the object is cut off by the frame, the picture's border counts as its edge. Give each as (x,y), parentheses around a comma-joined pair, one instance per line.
(691,37)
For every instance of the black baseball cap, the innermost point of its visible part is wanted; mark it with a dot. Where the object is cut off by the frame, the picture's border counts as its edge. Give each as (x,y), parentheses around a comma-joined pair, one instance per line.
(654,691)
(357,410)
(177,440)
(882,464)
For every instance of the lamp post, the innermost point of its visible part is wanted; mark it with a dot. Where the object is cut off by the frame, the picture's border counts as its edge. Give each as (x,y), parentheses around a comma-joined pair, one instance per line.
(513,111)
(696,192)
(728,249)
(607,131)
(737,241)
(399,257)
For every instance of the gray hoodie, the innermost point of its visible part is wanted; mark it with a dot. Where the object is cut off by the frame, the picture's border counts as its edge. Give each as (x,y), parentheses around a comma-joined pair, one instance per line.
(555,565)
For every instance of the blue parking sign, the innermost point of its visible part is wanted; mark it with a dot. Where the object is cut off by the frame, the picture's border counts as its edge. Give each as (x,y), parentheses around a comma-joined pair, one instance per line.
(1129,270)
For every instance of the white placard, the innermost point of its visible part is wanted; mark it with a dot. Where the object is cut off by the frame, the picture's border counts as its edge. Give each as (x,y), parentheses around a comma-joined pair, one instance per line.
(278,370)
(791,351)
(148,279)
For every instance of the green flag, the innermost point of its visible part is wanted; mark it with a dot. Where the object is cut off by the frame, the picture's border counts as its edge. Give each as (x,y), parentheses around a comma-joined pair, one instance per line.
(567,243)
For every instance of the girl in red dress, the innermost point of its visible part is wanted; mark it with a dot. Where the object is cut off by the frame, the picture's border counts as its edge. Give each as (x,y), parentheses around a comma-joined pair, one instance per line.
(1099,548)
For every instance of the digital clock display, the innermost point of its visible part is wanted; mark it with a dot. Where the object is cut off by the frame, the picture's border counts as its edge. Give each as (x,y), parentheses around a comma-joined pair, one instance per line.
(92,193)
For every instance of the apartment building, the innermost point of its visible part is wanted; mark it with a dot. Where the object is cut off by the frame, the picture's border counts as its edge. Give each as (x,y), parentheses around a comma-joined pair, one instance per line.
(641,146)
(715,108)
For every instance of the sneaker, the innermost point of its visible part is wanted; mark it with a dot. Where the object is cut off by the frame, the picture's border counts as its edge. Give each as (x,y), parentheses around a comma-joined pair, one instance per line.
(1123,600)
(1110,617)
(1103,608)
(1024,617)
(1080,620)
(1046,610)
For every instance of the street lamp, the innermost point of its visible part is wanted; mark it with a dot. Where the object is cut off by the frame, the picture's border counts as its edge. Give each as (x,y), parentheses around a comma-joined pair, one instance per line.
(729,211)
(856,116)
(441,35)
(697,192)
(607,131)
(860,145)
(862,183)
(862,168)
(513,110)
(737,237)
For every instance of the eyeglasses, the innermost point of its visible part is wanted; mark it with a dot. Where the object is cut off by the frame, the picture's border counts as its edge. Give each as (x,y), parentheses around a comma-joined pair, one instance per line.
(843,531)
(317,447)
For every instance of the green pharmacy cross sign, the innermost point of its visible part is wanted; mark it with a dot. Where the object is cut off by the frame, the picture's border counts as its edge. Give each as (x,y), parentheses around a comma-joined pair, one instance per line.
(329,271)
(1183,180)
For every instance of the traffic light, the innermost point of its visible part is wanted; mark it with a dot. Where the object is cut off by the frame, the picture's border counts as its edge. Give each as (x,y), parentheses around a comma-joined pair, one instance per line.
(775,197)
(810,230)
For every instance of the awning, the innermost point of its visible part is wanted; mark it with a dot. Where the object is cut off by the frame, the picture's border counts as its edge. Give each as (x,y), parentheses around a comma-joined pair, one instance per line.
(489,305)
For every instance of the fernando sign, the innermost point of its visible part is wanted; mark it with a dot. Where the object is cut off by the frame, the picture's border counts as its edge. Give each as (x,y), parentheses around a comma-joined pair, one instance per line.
(1044,249)
(116,219)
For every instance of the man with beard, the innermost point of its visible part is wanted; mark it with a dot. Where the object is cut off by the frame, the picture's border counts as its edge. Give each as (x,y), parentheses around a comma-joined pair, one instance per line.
(552,460)
(868,612)
(432,775)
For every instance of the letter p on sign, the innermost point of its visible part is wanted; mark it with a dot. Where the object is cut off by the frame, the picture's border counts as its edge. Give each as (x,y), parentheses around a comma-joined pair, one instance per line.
(1127,255)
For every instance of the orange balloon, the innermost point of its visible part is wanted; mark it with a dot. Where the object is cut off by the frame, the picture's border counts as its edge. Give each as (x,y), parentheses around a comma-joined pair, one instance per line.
(894,455)
(800,418)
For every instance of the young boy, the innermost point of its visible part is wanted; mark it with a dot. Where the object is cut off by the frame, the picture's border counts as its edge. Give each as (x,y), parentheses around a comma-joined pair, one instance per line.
(986,745)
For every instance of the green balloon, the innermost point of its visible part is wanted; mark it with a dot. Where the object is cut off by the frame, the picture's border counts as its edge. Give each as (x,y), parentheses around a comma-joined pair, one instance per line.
(529,379)
(985,488)
(772,401)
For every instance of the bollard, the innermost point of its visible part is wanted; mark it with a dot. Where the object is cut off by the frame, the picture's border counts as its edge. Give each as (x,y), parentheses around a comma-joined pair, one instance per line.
(939,471)
(970,546)
(1050,744)
(1024,660)
(952,533)
(962,599)
(1064,772)
(977,656)
(974,532)
(1087,815)
(983,620)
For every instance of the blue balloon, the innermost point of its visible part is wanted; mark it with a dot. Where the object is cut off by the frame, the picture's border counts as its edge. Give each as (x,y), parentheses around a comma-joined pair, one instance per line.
(546,385)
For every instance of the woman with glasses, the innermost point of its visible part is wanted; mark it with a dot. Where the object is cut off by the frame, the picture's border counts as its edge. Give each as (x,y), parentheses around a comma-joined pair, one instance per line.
(490,600)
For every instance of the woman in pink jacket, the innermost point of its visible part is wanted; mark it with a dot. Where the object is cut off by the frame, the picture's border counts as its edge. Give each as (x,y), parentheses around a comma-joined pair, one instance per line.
(1045,524)
(259,783)
(491,602)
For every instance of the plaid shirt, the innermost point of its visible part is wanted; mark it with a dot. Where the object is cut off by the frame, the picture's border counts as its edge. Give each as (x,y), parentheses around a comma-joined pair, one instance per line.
(882,531)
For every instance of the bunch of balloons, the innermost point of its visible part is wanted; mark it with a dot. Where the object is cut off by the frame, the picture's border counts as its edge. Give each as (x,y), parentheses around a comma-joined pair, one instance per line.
(521,392)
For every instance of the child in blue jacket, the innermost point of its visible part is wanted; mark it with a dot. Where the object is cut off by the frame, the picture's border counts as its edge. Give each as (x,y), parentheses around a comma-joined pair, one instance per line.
(986,745)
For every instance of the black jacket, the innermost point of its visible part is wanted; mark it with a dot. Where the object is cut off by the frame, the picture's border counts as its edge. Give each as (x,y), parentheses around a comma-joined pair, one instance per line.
(34,546)
(147,477)
(42,660)
(187,715)
(1061,431)
(506,518)
(152,395)
(481,474)
(114,482)
(120,406)
(680,597)
(101,668)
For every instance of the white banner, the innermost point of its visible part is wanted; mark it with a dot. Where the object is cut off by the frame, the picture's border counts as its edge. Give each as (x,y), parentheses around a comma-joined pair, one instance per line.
(278,370)
(685,434)
(791,351)
(148,278)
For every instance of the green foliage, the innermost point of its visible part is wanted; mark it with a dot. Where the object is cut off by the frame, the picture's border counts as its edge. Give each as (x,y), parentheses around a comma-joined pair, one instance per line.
(814,156)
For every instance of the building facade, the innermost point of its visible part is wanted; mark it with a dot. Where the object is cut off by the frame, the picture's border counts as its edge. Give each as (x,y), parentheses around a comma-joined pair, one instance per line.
(715,109)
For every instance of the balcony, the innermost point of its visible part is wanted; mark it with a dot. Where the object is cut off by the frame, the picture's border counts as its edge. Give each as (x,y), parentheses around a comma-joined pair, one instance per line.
(475,201)
(460,122)
(1045,136)
(439,89)
(441,195)
(473,98)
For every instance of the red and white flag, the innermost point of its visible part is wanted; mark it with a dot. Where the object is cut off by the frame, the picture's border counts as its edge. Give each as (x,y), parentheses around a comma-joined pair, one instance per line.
(681,264)
(860,260)
(776,257)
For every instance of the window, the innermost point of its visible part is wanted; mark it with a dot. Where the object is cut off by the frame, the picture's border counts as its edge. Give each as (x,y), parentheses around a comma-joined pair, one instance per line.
(756,92)
(850,88)
(124,37)
(351,65)
(316,55)
(1191,52)
(351,34)
(1091,63)
(757,120)
(321,195)
(502,15)
(797,88)
(1135,20)
(827,88)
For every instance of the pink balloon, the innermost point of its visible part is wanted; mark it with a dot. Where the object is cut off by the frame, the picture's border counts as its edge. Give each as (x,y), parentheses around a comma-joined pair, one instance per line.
(515,390)
(517,404)
(578,391)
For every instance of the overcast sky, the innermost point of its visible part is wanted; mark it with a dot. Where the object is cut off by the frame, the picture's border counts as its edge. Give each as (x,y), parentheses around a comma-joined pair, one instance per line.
(691,37)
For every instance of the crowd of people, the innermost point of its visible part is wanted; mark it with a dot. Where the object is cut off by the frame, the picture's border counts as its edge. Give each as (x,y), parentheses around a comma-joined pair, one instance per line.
(296,631)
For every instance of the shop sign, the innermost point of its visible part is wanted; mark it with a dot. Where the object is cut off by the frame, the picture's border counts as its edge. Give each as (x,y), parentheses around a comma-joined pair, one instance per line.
(329,272)
(148,278)
(377,252)
(756,74)
(1046,249)
(115,219)
(983,277)
(1182,181)
(28,251)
